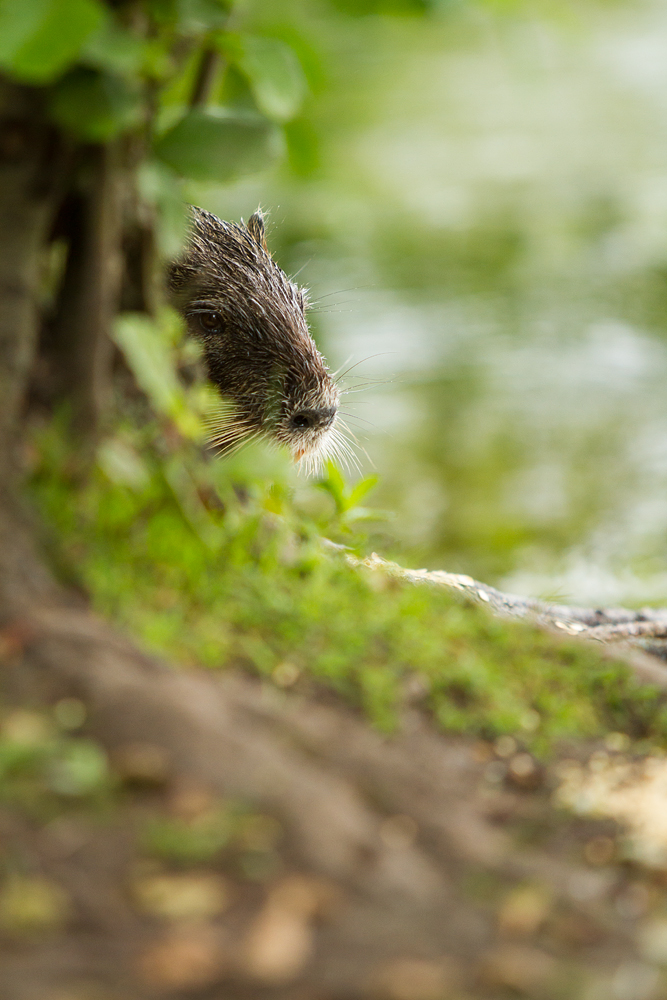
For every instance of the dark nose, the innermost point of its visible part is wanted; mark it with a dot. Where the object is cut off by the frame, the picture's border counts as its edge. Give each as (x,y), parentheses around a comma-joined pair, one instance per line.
(318,419)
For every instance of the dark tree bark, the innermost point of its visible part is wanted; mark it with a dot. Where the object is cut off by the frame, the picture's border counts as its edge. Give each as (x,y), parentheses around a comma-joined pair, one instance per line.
(81,342)
(30,163)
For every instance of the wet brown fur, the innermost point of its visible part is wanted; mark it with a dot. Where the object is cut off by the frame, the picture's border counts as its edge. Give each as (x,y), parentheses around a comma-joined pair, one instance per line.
(259,352)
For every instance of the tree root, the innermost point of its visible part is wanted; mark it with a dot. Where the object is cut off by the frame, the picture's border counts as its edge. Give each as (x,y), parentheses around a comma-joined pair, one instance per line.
(383,838)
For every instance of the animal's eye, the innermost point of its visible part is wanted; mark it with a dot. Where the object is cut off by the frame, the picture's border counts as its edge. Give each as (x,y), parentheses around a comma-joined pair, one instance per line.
(211,322)
(302,420)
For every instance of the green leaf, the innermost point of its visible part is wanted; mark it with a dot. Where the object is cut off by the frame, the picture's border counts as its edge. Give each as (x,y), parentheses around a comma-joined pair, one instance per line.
(346,499)
(114,49)
(149,355)
(148,348)
(163,190)
(363,487)
(96,106)
(41,38)
(189,17)
(217,147)
(273,72)
(18,23)
(201,16)
(334,485)
(335,478)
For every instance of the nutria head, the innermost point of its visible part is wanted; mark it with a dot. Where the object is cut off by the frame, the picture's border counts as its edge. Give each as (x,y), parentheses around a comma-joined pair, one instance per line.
(251,321)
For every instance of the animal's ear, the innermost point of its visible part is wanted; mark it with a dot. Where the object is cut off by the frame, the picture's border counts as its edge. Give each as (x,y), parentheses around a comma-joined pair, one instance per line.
(256,229)
(179,275)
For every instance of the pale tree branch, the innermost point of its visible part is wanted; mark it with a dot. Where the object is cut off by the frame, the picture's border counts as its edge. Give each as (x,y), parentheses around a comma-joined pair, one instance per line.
(632,633)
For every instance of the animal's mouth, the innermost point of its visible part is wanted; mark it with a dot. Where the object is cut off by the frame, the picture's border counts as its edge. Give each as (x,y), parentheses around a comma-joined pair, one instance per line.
(309,455)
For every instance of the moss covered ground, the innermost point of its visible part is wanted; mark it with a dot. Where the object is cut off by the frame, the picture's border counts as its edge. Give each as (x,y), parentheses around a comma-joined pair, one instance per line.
(216,563)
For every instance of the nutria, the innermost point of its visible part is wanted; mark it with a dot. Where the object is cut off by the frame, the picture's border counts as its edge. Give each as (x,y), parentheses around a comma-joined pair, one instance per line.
(251,320)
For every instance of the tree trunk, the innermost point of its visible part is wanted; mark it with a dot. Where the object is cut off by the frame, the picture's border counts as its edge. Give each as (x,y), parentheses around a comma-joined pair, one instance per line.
(81,342)
(29,165)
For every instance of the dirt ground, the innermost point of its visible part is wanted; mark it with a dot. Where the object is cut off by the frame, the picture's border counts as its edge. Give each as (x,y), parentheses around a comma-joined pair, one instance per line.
(411,867)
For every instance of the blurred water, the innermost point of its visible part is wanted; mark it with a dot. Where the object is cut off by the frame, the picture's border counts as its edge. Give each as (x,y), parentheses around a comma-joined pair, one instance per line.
(494,192)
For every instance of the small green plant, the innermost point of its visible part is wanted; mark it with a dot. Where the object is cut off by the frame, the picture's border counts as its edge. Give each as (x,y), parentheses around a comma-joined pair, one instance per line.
(214,563)
(347,499)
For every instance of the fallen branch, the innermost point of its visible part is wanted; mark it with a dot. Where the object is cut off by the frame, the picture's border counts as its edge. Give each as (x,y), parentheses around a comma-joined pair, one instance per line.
(639,636)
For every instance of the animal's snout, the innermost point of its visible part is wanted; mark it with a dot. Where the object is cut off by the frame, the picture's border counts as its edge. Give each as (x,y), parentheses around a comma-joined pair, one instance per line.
(316,419)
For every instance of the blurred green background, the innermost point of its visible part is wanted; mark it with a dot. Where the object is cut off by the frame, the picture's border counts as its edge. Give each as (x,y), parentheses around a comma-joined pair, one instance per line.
(477,200)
